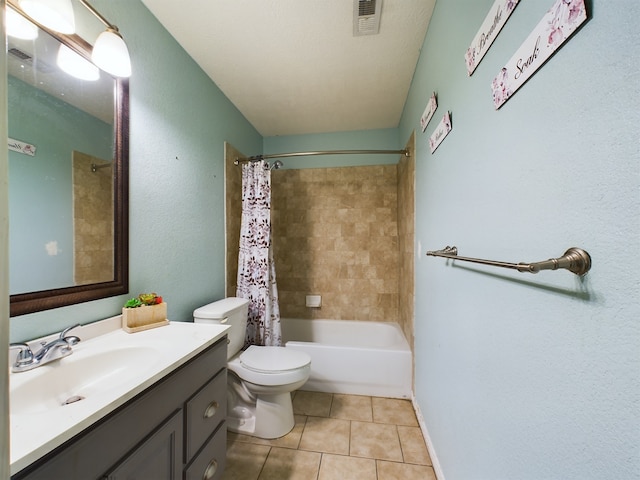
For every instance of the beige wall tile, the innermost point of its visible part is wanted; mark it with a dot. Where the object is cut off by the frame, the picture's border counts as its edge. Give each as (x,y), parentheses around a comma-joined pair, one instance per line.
(92,220)
(233,215)
(348,218)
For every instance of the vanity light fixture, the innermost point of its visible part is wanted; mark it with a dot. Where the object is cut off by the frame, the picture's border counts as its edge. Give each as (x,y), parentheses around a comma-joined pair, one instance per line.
(110,53)
(54,14)
(76,65)
(20,27)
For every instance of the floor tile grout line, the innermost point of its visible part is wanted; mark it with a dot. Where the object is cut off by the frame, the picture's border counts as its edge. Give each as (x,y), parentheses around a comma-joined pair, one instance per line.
(264,463)
(400,443)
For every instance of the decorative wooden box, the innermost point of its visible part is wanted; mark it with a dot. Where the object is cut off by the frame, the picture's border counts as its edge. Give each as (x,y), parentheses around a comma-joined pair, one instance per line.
(144,317)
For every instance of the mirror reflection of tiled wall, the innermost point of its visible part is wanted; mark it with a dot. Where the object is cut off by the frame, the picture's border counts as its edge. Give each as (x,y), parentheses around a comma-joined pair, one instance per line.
(92,220)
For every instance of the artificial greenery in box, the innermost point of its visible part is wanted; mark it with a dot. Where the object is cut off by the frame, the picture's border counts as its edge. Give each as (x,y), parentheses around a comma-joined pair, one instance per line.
(143,312)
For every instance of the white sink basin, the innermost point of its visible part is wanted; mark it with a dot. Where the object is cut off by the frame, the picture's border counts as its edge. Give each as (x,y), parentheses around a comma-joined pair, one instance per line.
(62,383)
(52,403)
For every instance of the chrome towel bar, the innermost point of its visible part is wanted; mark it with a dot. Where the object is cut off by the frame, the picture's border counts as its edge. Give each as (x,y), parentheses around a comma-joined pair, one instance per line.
(574,259)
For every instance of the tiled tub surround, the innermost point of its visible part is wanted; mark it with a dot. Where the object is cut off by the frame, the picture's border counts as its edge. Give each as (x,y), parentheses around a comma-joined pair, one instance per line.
(336,235)
(345,233)
(406,240)
(336,437)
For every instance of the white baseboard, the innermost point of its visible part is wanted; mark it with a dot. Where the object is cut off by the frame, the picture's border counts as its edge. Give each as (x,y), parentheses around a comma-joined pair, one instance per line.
(427,439)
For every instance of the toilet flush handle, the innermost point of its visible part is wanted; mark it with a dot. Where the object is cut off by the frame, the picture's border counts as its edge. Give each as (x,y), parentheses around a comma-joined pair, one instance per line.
(224,320)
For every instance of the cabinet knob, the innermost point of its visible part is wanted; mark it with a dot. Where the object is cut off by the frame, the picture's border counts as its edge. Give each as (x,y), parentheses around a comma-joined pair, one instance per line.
(210,471)
(211,409)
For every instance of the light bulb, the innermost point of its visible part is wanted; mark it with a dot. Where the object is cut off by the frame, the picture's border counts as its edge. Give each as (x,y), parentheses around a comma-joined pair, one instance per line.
(110,53)
(20,27)
(76,65)
(54,14)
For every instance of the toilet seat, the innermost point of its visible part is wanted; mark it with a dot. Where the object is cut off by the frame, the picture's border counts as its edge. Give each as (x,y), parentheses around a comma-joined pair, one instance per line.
(271,366)
(273,359)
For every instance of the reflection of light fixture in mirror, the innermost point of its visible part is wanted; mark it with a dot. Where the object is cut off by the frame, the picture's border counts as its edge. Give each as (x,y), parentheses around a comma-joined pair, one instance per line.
(110,53)
(20,27)
(75,65)
(54,14)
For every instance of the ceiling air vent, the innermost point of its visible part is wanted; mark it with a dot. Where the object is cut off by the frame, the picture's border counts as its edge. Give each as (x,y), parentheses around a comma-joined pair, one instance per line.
(366,17)
(26,59)
(19,54)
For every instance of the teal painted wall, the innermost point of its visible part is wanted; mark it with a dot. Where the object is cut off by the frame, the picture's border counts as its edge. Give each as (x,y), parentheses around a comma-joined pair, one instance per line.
(41,186)
(518,376)
(382,139)
(179,123)
(521,376)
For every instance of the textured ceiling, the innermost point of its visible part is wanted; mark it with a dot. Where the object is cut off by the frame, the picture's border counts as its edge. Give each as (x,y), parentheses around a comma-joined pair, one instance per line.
(294,67)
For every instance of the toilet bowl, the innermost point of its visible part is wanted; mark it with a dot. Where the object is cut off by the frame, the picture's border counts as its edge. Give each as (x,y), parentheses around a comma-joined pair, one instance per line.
(259,379)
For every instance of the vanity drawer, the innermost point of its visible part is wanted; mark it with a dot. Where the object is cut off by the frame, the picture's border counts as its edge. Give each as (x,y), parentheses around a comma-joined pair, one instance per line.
(211,461)
(204,412)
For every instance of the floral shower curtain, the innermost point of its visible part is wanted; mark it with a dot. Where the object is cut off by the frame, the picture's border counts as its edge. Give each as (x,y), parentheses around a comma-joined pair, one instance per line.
(256,270)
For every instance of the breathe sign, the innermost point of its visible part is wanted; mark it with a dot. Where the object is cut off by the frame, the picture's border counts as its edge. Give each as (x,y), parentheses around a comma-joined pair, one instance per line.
(562,20)
(493,23)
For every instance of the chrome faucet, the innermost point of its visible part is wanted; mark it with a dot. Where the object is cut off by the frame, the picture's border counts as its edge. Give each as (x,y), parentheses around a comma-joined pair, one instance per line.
(55,349)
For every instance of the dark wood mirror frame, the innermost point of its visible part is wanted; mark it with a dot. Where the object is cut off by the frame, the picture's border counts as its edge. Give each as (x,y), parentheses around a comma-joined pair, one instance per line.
(24,303)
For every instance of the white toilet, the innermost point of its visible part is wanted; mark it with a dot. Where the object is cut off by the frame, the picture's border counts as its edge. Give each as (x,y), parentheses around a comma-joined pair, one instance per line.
(260,379)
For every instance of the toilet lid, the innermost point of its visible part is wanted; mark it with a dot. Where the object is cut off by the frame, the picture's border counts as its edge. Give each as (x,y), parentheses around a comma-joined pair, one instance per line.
(273,359)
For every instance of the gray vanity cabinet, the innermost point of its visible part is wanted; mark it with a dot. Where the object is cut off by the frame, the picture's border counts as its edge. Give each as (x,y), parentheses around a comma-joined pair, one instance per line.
(156,456)
(173,430)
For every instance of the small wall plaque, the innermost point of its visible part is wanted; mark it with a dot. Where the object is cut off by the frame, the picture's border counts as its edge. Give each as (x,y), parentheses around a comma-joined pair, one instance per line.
(441,131)
(22,147)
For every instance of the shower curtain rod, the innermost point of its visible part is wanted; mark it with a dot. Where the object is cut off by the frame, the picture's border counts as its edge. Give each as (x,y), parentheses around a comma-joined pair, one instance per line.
(257,158)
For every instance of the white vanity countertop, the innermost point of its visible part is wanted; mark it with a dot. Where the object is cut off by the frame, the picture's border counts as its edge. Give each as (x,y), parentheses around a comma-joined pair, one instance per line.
(108,368)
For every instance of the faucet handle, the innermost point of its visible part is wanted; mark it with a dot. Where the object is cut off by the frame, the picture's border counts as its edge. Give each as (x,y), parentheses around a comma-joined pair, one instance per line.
(71,340)
(25,355)
(63,334)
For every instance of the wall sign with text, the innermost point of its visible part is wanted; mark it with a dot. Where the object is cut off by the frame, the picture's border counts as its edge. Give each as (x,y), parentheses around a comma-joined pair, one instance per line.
(22,147)
(562,20)
(429,110)
(493,23)
(441,131)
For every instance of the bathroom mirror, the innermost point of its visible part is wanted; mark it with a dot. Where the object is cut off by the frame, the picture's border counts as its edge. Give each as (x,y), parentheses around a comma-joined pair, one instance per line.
(68,173)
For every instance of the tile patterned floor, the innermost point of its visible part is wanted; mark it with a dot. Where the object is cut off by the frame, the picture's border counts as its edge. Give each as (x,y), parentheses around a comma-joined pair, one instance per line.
(336,437)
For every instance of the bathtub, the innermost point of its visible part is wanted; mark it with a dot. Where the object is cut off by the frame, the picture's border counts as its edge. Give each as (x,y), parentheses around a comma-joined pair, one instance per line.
(353,357)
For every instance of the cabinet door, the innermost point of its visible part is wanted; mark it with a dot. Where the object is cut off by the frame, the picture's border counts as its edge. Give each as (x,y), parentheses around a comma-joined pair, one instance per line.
(158,457)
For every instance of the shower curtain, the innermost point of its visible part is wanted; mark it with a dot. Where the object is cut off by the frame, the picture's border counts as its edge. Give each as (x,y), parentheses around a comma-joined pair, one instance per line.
(256,270)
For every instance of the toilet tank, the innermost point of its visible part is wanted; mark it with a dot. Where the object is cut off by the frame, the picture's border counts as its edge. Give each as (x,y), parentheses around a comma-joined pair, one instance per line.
(232,311)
